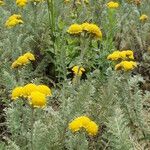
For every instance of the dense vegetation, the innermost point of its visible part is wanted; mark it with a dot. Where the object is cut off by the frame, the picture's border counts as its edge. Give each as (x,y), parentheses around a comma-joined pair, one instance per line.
(75,74)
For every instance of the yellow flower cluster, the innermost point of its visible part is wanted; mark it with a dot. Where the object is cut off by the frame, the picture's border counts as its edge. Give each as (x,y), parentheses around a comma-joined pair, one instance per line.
(75,29)
(2,2)
(126,65)
(36,94)
(23,60)
(92,28)
(112,4)
(116,55)
(21,3)
(84,122)
(37,99)
(143,18)
(87,27)
(123,55)
(78,71)
(13,20)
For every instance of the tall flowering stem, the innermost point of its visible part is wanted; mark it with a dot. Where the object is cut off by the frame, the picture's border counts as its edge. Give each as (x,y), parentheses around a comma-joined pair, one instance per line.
(32,127)
(83,48)
(51,13)
(50,4)
(112,21)
(34,8)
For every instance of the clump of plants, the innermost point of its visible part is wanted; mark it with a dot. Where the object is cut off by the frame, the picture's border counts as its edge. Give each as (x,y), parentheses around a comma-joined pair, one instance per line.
(73,75)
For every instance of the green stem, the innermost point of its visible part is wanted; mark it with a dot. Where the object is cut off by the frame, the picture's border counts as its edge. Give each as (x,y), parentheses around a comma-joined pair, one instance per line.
(51,14)
(32,127)
(53,17)
(50,4)
(34,7)
(84,46)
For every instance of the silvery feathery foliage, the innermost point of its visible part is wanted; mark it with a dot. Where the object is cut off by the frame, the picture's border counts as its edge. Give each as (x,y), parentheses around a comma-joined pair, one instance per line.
(114,100)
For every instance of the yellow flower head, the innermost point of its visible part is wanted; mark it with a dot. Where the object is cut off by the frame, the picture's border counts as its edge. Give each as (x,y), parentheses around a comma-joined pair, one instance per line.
(85,26)
(112,4)
(114,56)
(2,2)
(44,89)
(124,55)
(16,92)
(143,18)
(92,128)
(29,56)
(21,3)
(78,70)
(37,99)
(14,64)
(36,94)
(126,65)
(75,125)
(78,123)
(84,122)
(93,29)
(118,67)
(22,60)
(129,54)
(13,20)
(28,89)
(75,29)
(15,16)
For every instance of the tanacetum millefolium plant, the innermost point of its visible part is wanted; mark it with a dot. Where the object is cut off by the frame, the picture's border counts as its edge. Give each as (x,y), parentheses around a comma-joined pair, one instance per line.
(74,75)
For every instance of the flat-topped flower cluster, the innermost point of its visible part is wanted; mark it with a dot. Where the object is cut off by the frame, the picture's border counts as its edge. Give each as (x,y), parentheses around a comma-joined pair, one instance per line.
(84,122)
(85,27)
(35,94)
(125,57)
(13,20)
(23,60)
